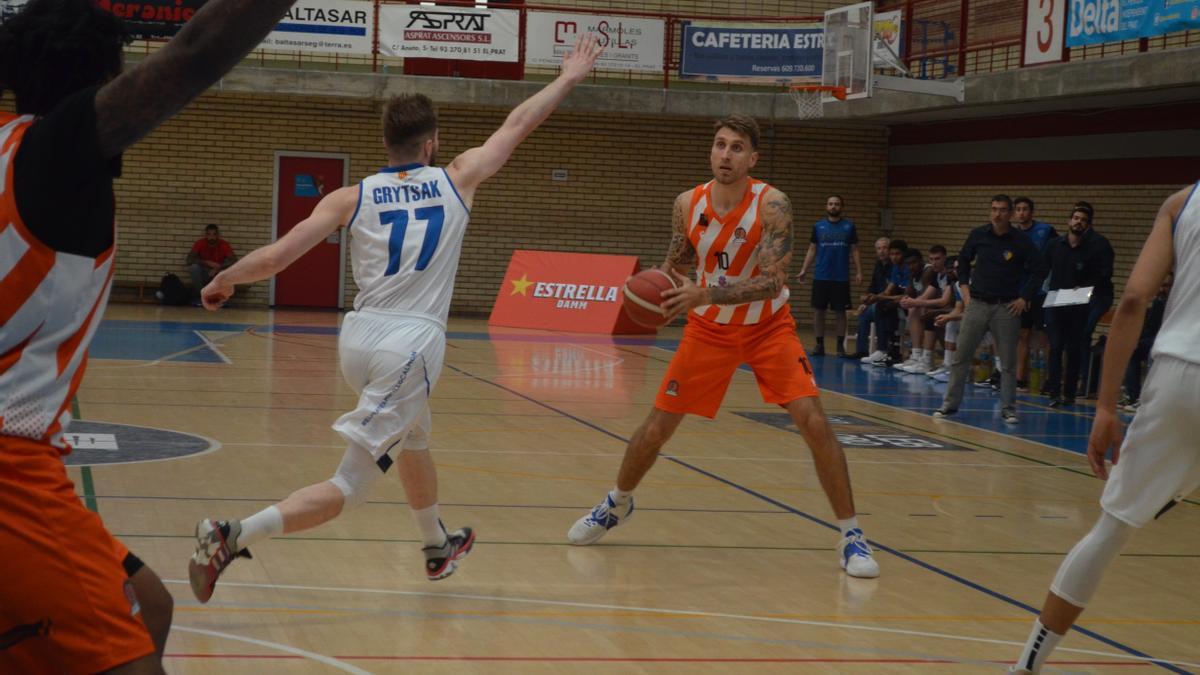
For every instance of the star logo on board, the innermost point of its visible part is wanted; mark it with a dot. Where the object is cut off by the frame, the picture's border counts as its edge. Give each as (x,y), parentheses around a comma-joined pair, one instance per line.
(521,285)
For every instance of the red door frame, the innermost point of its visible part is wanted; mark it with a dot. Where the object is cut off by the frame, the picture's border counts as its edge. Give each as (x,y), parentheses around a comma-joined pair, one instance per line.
(279,154)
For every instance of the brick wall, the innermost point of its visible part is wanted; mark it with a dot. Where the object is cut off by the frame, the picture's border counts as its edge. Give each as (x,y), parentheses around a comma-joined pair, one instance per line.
(214,163)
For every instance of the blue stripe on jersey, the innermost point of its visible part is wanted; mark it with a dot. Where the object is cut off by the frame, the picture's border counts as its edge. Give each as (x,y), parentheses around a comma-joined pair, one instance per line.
(452,187)
(350,223)
(1175,222)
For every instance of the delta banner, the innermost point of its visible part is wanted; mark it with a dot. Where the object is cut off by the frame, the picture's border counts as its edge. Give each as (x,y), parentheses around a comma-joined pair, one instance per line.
(325,26)
(629,43)
(717,51)
(459,33)
(1092,22)
(150,18)
(572,292)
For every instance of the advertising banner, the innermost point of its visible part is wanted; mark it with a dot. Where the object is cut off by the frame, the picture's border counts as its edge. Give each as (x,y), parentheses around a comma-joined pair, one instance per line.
(325,26)
(573,292)
(629,43)
(718,51)
(462,33)
(889,38)
(151,18)
(1092,22)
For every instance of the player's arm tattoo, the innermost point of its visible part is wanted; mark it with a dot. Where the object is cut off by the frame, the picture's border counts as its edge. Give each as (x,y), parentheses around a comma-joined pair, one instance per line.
(774,253)
(209,45)
(681,255)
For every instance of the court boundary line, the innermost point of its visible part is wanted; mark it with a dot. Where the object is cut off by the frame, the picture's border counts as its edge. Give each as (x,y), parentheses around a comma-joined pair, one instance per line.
(814,519)
(699,614)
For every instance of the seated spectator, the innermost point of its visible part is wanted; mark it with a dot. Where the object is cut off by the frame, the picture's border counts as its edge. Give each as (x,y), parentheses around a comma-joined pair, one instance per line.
(209,255)
(1133,374)
(949,322)
(927,297)
(887,305)
(866,307)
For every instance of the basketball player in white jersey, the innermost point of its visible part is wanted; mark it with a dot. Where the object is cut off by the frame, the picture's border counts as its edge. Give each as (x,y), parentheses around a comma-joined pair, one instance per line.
(1158,464)
(407,224)
(73,599)
(734,234)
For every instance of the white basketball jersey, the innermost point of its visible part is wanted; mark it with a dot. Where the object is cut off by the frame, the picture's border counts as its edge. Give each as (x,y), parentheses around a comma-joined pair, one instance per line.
(406,238)
(1181,319)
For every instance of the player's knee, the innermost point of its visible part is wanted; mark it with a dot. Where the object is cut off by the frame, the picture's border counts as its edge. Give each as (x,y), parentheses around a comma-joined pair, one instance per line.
(355,476)
(1080,574)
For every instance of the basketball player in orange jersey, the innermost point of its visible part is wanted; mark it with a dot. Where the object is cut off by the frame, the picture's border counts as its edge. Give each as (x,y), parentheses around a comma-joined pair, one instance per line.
(72,598)
(1158,463)
(736,233)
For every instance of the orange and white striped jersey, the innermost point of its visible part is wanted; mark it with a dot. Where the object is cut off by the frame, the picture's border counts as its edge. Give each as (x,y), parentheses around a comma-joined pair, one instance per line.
(50,306)
(726,252)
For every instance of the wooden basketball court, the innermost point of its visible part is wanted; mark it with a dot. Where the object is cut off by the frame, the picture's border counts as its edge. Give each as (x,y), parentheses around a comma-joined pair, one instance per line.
(728,565)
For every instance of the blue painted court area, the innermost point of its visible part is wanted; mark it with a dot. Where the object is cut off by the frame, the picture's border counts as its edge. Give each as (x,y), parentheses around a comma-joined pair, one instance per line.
(1069,429)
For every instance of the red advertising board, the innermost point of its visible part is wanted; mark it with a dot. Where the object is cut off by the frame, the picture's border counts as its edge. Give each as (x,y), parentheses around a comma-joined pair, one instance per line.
(572,292)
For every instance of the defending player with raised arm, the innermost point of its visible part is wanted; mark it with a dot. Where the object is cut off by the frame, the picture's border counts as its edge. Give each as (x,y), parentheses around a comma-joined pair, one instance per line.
(730,247)
(1158,463)
(73,598)
(407,224)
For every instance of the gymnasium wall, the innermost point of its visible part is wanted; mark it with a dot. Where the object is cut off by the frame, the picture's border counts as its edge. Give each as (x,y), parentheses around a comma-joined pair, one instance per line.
(214,163)
(1125,162)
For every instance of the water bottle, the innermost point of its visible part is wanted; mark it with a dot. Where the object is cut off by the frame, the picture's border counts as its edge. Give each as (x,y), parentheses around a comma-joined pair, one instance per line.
(1037,373)
(984,369)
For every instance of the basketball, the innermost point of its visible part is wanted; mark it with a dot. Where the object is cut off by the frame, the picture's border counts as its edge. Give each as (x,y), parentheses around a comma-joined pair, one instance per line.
(643,297)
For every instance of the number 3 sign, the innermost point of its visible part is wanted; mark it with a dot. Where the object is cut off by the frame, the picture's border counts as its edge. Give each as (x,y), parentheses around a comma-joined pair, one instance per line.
(1045,21)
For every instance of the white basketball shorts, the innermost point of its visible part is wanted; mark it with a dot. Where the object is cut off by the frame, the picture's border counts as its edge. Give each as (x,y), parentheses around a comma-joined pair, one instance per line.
(393,361)
(1160,458)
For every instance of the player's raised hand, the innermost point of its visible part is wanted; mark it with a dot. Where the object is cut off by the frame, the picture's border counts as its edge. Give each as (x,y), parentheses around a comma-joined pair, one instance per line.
(1106,433)
(579,61)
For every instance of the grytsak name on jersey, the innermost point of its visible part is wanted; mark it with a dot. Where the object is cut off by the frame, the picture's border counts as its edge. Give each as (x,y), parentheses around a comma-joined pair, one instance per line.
(574,296)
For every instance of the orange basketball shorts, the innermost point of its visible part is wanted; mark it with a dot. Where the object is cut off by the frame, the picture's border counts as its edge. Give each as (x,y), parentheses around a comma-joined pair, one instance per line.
(66,603)
(710,353)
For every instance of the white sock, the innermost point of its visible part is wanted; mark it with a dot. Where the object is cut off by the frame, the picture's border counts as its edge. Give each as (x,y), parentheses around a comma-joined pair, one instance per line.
(430,524)
(620,496)
(997,360)
(848,524)
(1041,642)
(947,358)
(262,525)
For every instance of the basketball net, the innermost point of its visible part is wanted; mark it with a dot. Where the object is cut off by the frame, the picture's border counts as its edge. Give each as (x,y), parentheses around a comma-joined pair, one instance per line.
(808,98)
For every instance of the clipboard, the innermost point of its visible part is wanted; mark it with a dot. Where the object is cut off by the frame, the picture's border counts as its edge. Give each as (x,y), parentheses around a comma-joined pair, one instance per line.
(1069,297)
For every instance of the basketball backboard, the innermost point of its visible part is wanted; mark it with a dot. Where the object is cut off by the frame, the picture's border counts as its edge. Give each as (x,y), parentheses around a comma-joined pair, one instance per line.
(849,34)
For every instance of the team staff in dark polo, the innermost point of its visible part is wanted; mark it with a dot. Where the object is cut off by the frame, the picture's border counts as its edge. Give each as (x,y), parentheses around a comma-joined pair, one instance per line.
(991,265)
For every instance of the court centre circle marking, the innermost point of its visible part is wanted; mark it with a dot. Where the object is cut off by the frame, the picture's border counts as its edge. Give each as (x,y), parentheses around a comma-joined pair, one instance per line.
(312,656)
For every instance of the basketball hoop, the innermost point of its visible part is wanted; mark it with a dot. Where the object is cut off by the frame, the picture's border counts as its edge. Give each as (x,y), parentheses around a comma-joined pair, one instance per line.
(809,97)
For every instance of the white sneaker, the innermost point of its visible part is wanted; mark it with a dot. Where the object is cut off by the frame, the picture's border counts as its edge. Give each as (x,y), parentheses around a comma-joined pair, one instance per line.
(943,376)
(938,371)
(856,557)
(875,357)
(905,365)
(920,367)
(607,515)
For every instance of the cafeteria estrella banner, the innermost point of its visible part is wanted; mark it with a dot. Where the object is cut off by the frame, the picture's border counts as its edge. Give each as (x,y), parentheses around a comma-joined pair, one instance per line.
(774,52)
(1092,22)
